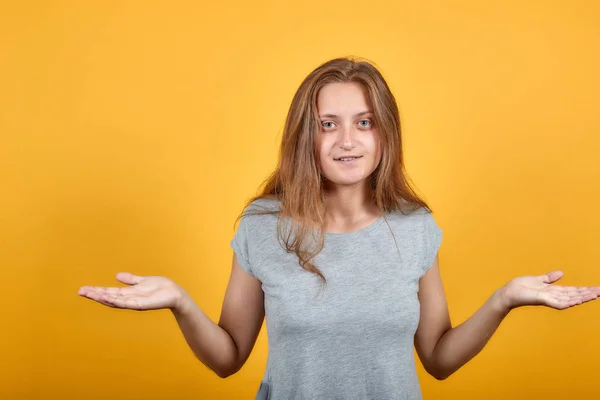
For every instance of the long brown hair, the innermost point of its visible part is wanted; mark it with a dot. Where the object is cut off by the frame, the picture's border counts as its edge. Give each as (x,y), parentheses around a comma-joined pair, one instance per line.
(297,183)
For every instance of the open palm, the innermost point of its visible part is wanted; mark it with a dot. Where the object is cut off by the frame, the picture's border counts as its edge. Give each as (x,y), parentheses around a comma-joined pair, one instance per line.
(144,293)
(540,291)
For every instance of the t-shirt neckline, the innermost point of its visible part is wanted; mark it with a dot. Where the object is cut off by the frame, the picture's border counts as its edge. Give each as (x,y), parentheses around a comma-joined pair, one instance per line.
(373,225)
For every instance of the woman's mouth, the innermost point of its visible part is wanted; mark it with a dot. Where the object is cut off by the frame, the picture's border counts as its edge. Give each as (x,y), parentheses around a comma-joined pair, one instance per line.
(347,159)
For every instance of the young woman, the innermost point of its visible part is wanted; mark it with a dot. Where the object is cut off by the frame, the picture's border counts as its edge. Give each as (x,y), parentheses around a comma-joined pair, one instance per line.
(340,254)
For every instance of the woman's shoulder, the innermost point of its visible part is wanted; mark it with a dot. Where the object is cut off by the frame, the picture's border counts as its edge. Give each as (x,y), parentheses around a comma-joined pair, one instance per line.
(410,212)
(263,205)
(410,218)
(260,213)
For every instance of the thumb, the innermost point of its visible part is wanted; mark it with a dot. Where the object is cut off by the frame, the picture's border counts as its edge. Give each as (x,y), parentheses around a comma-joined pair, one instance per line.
(128,278)
(552,276)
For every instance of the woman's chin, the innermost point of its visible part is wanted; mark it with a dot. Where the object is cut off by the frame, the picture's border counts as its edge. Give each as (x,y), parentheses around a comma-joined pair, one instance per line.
(346,182)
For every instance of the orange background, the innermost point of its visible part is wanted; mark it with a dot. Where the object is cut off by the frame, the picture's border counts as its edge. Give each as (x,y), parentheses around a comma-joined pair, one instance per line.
(131,133)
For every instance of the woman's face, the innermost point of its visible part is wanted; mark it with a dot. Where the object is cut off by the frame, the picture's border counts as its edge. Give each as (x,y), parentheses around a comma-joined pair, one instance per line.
(348,142)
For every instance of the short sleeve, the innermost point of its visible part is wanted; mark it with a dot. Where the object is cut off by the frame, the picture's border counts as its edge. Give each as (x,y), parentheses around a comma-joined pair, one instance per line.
(240,246)
(432,240)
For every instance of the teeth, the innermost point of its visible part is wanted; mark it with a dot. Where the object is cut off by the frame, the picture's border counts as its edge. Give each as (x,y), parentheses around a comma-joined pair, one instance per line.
(347,158)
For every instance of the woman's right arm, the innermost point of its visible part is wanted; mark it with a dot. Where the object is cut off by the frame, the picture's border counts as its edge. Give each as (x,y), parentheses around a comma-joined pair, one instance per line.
(222,347)
(225,347)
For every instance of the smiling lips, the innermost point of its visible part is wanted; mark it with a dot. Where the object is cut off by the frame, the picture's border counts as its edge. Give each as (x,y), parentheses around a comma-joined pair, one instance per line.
(347,159)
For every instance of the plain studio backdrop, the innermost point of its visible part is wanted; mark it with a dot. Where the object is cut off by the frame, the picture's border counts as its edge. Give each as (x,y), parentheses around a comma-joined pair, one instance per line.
(132,133)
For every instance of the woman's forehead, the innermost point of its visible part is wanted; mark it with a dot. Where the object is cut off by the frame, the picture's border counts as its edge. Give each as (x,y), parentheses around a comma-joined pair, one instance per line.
(343,99)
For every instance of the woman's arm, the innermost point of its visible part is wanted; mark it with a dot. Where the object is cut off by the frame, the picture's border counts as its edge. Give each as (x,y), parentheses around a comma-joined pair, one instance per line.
(222,347)
(225,347)
(443,349)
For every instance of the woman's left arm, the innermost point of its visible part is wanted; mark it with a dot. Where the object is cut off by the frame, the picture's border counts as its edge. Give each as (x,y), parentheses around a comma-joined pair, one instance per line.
(443,349)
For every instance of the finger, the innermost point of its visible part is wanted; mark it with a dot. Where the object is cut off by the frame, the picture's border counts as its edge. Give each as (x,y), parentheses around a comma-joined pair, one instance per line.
(116,301)
(83,290)
(578,292)
(568,290)
(552,276)
(573,290)
(105,290)
(91,289)
(562,301)
(589,297)
(129,278)
(569,302)
(585,294)
(98,297)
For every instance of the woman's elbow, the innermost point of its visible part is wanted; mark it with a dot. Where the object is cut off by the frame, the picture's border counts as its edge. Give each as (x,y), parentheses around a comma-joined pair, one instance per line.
(441,377)
(439,373)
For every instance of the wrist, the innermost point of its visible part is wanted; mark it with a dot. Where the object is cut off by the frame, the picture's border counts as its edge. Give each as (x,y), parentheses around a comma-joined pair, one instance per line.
(183,302)
(501,301)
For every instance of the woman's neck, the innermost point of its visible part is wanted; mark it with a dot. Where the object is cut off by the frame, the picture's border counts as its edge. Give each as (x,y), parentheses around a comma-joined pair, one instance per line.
(349,208)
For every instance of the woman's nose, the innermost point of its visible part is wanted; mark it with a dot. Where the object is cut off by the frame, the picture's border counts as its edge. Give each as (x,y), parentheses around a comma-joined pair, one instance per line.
(347,141)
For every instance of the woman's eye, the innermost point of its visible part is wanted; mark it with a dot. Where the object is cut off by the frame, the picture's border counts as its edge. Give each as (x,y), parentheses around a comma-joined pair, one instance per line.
(365,123)
(327,125)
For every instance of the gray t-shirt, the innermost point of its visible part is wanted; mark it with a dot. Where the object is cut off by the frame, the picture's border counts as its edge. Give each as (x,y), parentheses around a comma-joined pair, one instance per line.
(355,338)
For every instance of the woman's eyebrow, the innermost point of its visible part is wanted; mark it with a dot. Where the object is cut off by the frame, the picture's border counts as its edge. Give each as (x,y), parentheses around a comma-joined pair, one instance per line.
(360,114)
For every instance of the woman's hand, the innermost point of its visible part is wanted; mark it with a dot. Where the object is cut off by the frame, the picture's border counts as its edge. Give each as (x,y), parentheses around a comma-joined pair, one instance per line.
(540,291)
(144,293)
